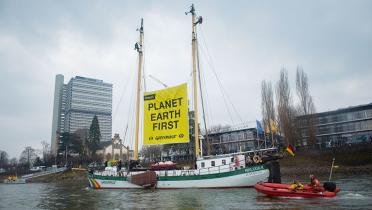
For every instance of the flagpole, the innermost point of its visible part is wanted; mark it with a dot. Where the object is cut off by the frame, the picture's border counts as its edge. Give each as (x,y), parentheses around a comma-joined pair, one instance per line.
(259,131)
(330,174)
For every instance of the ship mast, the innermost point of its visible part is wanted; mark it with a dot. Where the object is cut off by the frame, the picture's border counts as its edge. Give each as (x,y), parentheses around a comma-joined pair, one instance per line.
(138,48)
(194,77)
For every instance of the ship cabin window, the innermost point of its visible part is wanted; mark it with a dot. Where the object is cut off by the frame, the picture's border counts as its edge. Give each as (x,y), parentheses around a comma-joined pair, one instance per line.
(202,164)
(223,162)
(213,163)
(232,159)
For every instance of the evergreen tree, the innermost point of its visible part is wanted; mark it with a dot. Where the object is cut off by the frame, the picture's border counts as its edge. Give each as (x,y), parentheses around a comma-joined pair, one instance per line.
(94,135)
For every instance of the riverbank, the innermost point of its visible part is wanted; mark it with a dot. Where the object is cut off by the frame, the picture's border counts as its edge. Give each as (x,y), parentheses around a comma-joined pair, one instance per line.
(67,176)
(303,170)
(348,160)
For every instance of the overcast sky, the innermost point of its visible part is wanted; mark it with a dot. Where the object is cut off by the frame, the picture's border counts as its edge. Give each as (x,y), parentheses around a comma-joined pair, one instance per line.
(244,42)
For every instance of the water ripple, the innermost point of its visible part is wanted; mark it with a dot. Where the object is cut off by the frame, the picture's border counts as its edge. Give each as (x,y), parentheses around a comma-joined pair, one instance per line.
(356,193)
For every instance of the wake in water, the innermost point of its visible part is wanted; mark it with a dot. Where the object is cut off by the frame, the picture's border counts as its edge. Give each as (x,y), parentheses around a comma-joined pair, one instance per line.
(351,195)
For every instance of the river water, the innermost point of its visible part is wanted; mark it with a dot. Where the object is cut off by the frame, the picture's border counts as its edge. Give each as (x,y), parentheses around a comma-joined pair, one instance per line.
(356,194)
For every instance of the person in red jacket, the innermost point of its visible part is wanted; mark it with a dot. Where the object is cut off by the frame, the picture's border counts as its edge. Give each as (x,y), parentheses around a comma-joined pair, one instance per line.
(314,182)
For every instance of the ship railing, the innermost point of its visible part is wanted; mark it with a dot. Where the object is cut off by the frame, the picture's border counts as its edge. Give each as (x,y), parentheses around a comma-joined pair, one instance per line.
(106,173)
(121,173)
(187,172)
(204,171)
(222,168)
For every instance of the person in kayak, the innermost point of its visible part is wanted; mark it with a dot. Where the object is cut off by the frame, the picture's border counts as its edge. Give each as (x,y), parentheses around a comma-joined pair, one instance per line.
(314,182)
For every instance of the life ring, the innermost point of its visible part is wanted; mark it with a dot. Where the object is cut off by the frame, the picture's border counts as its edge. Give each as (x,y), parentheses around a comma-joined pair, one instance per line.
(257,159)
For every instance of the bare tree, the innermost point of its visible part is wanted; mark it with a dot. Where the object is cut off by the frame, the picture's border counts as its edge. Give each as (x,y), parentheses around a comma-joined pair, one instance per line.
(151,152)
(215,128)
(46,150)
(267,105)
(13,161)
(3,158)
(177,149)
(285,109)
(218,128)
(28,155)
(306,104)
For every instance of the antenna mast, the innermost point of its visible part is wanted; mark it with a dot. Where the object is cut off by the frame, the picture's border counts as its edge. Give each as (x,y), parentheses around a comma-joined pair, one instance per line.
(138,48)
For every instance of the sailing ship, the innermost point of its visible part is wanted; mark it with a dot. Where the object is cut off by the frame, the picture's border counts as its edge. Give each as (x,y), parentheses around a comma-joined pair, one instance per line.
(223,171)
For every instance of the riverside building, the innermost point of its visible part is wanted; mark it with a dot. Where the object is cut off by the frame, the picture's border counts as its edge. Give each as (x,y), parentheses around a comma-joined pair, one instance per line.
(75,105)
(241,138)
(340,127)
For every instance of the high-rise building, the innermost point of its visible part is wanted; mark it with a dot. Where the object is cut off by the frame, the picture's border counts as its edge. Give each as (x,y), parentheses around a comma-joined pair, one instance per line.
(58,111)
(75,105)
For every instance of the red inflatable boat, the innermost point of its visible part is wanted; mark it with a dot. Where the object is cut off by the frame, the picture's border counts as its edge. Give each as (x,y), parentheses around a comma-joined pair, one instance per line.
(285,190)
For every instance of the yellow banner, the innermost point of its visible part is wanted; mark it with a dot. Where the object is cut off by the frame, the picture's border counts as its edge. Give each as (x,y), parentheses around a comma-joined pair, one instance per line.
(166,117)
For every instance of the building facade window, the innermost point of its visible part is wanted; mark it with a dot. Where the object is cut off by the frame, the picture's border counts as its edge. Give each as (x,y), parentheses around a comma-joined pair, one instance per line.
(340,127)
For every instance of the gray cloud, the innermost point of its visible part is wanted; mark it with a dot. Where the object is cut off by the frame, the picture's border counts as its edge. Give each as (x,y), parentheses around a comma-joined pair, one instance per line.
(248,41)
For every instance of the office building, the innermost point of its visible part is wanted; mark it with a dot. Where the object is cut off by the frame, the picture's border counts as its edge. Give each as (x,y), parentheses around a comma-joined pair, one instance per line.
(339,127)
(75,105)
(237,139)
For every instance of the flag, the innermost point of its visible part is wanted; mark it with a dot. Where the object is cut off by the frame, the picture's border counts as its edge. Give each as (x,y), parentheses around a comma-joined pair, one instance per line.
(259,127)
(290,150)
(274,129)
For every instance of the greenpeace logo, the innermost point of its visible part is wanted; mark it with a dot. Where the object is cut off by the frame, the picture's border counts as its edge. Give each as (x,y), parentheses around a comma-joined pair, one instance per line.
(149,97)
